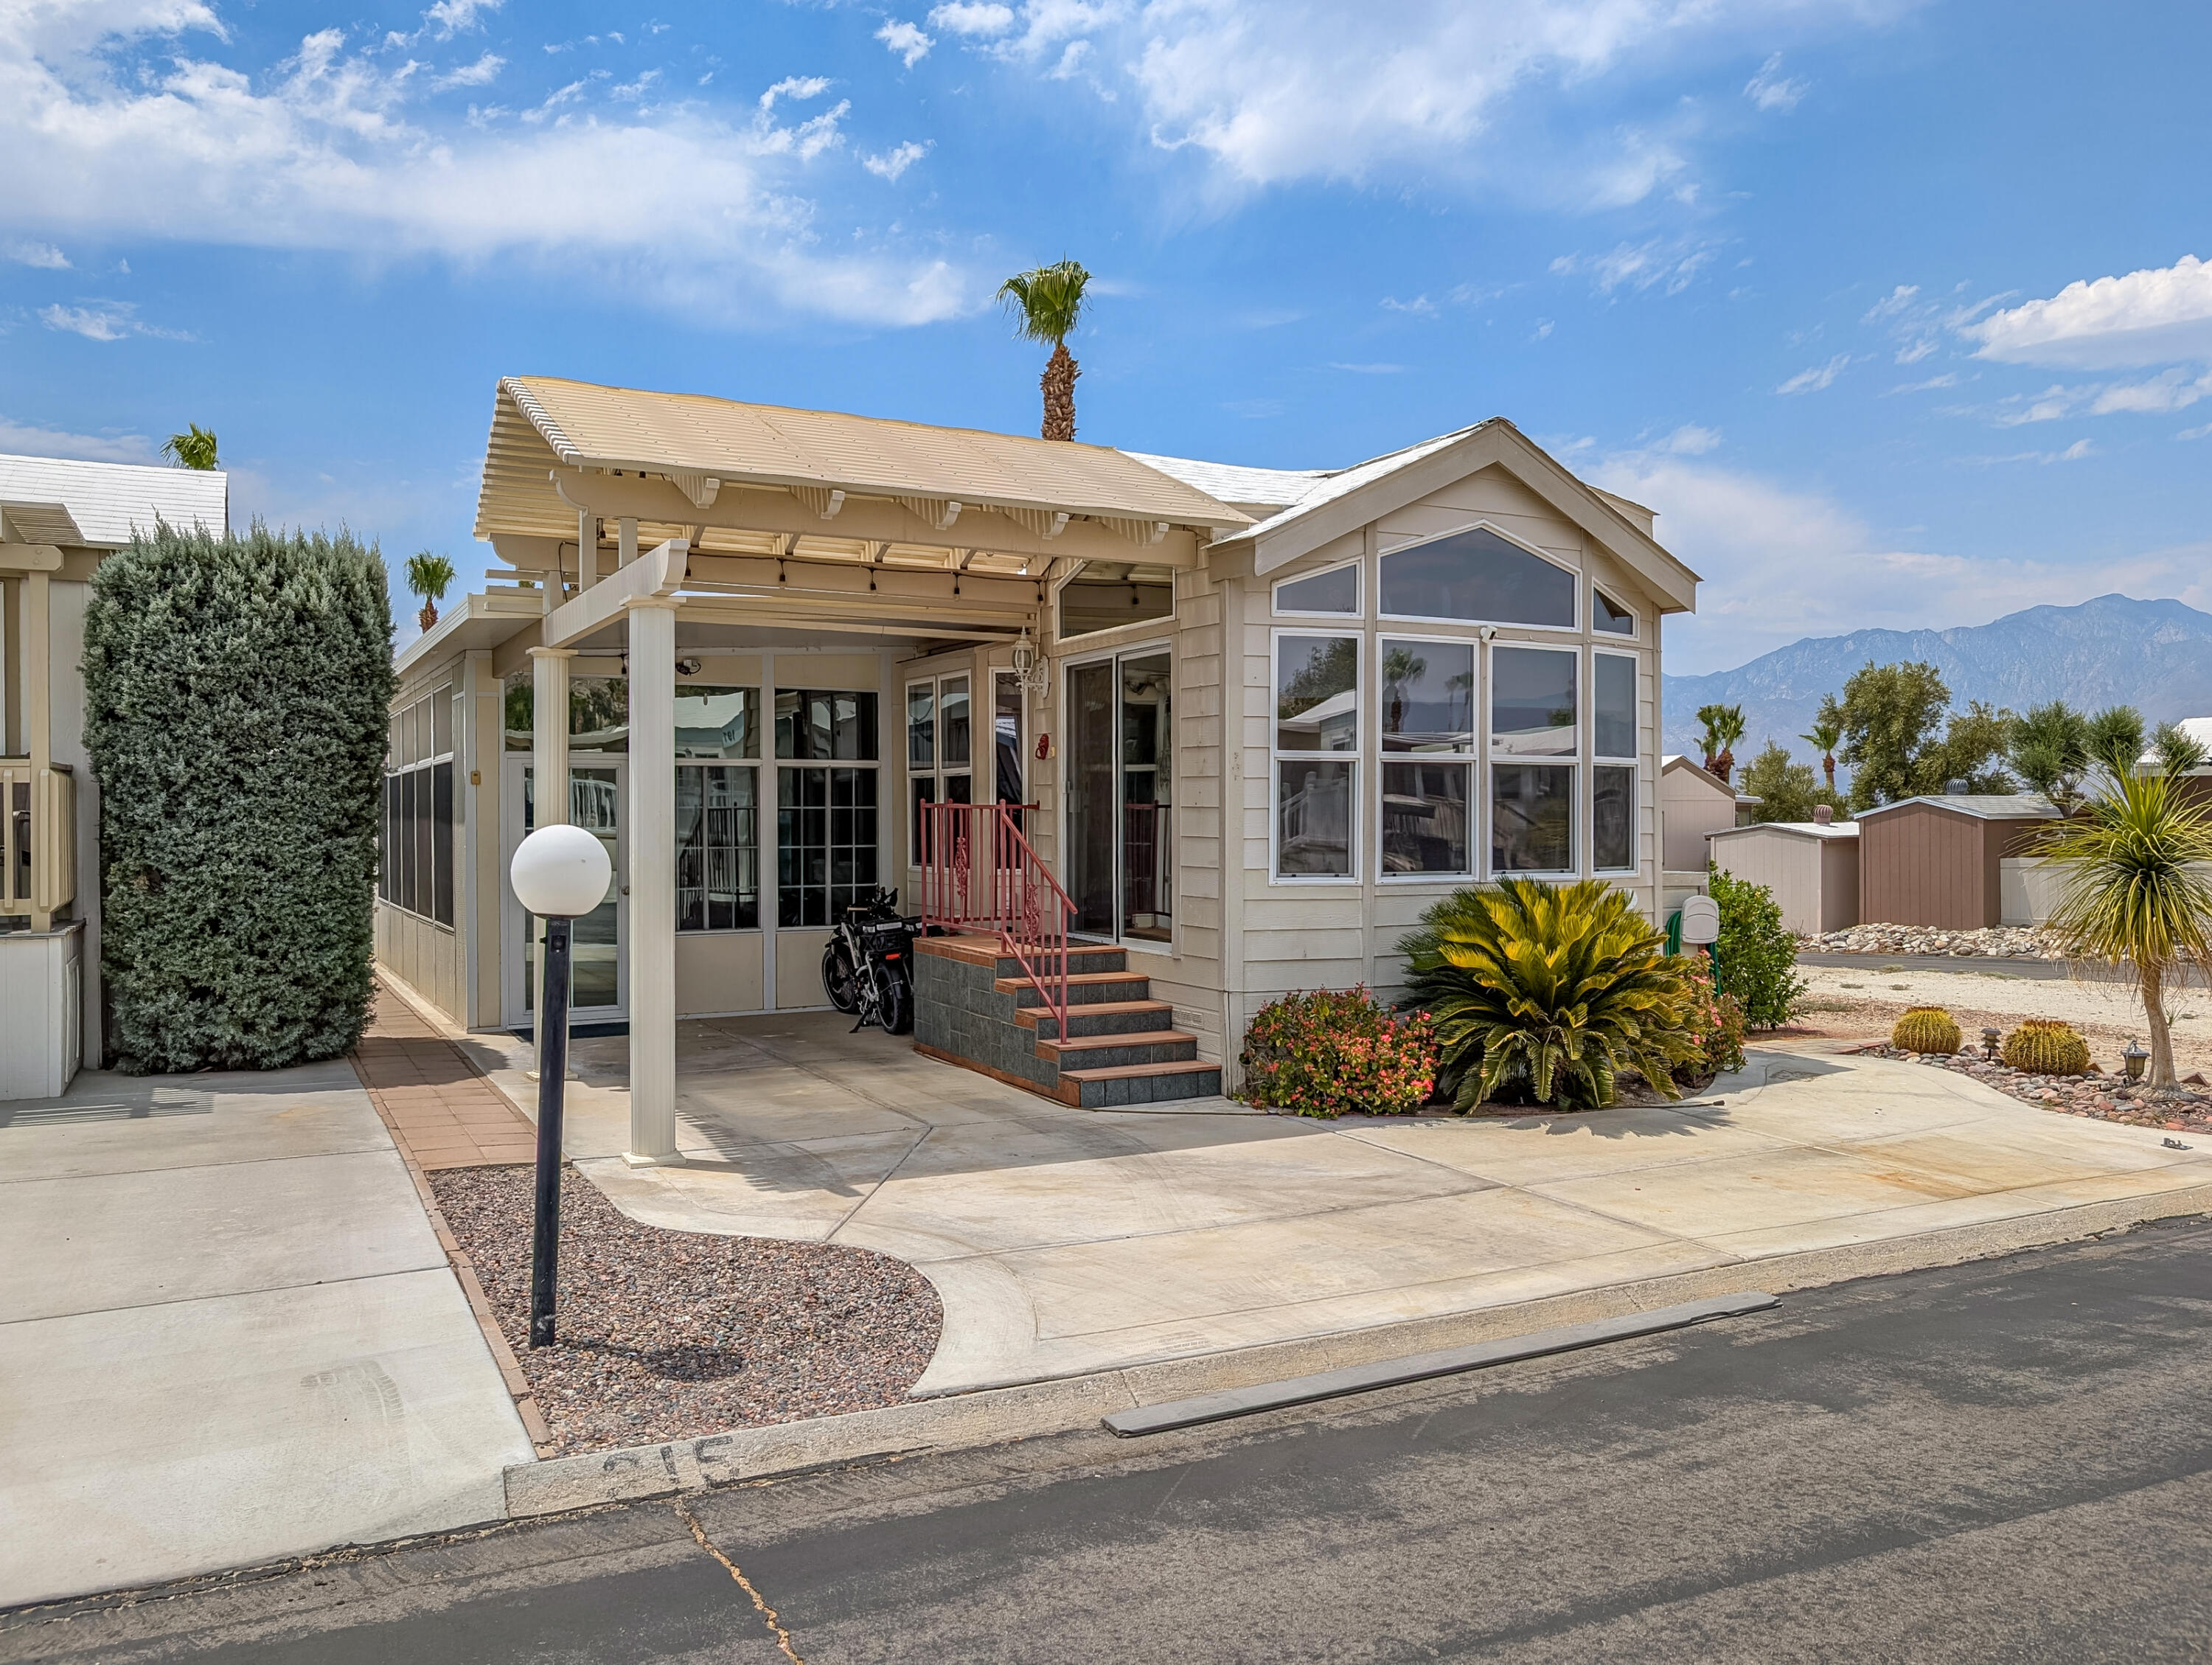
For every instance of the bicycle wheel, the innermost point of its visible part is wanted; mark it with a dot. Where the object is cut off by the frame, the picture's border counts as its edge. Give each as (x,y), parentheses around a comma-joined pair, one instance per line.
(838,981)
(898,1004)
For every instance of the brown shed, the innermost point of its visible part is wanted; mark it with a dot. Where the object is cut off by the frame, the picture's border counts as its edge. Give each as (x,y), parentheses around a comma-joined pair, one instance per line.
(1934,860)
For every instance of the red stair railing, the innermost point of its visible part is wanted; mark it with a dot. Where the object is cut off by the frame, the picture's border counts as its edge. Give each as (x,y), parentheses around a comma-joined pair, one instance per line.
(979,873)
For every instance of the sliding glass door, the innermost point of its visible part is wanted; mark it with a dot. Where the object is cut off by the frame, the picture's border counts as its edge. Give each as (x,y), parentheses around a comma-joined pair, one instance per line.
(1121,797)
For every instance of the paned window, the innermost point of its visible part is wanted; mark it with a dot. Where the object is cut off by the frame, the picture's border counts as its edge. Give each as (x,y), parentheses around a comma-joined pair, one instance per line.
(1317,731)
(1478,576)
(717,722)
(1608,616)
(1336,592)
(1613,772)
(414,859)
(940,751)
(1532,702)
(598,711)
(825,817)
(1425,697)
(1533,713)
(1531,819)
(717,847)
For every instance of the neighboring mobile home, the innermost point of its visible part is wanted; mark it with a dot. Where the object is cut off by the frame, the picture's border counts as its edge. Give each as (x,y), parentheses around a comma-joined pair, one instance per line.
(59,519)
(1252,720)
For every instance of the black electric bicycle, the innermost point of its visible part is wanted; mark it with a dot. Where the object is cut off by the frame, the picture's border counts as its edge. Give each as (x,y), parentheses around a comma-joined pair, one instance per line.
(867,970)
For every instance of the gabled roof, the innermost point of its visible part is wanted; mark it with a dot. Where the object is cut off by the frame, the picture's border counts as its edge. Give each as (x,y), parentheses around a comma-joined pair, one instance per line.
(696,437)
(1676,762)
(1344,500)
(1232,482)
(1981,806)
(61,500)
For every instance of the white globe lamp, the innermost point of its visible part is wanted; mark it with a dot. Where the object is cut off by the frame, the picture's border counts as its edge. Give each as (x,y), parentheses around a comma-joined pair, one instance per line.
(558,874)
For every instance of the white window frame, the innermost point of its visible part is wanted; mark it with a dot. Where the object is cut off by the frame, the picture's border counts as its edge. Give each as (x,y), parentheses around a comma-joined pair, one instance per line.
(1361,637)
(1359,593)
(1142,648)
(1573,627)
(1632,762)
(1635,631)
(936,771)
(1576,763)
(762,810)
(1471,759)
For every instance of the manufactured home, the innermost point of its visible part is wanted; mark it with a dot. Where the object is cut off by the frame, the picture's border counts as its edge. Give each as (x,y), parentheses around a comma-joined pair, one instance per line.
(1167,736)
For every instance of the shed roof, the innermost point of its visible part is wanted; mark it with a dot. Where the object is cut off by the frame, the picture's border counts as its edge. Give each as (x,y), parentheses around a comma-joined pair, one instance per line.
(62,500)
(1795,828)
(696,434)
(1982,807)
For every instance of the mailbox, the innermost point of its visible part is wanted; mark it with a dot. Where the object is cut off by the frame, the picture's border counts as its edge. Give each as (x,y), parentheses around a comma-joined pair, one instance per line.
(1701,921)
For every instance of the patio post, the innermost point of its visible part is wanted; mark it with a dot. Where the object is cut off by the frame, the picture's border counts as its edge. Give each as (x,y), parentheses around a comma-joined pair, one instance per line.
(549,761)
(651,879)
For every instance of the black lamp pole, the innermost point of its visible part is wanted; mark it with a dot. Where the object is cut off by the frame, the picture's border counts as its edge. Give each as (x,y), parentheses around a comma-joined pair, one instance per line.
(552,1078)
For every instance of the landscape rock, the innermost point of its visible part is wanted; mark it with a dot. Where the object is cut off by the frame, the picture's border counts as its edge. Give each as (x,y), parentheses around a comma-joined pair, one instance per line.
(2009,941)
(2097,1096)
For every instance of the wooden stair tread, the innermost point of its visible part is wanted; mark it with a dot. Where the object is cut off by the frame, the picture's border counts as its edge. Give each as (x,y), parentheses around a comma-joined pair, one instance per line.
(1088,979)
(1124,1071)
(1155,1037)
(1028,1016)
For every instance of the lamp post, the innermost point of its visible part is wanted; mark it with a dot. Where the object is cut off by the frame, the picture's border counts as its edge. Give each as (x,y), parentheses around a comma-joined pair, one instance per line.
(558,872)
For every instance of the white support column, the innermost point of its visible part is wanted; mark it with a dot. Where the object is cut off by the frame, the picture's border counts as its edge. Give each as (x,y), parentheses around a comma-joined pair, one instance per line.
(587,550)
(652,880)
(625,541)
(549,772)
(37,715)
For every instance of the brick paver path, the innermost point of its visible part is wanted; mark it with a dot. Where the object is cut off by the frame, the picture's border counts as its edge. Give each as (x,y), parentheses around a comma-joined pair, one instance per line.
(443,1112)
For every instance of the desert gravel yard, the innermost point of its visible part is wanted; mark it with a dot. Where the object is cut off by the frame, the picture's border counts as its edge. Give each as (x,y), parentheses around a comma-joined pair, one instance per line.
(668,1334)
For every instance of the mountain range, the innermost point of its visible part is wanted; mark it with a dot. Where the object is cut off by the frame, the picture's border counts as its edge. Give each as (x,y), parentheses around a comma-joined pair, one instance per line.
(2114,650)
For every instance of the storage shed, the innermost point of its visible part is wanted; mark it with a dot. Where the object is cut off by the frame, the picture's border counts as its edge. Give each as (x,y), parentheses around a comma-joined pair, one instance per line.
(1695,803)
(1936,861)
(1812,867)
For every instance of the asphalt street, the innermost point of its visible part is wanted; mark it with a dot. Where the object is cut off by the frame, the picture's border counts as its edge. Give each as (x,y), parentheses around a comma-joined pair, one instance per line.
(2004,1460)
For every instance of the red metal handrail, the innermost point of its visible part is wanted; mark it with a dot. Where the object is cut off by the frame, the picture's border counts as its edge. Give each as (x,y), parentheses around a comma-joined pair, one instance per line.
(996,884)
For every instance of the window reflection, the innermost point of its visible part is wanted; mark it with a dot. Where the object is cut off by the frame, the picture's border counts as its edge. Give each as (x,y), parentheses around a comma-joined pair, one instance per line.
(1424,818)
(1312,819)
(1477,575)
(1324,592)
(1531,818)
(1613,818)
(1317,706)
(1427,696)
(1532,702)
(1613,702)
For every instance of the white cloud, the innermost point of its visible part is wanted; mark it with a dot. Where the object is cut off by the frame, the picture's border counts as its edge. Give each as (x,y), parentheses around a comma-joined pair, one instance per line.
(1420,305)
(1914,351)
(895,161)
(970,18)
(448,18)
(481,73)
(906,41)
(2204,432)
(104,321)
(1898,301)
(1769,89)
(2162,395)
(1690,441)
(632,91)
(29,440)
(2073,453)
(45,256)
(1670,266)
(1371,370)
(2156,316)
(1820,376)
(127,122)
(1948,379)
(800,88)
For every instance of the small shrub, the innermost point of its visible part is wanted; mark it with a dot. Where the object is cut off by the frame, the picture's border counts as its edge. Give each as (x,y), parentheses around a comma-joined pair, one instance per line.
(1925,1029)
(1755,959)
(1542,993)
(1338,1053)
(1715,1022)
(2042,1046)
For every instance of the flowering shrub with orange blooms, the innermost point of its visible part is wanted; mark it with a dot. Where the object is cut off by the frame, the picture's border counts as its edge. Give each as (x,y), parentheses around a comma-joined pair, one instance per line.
(1714,1020)
(1338,1053)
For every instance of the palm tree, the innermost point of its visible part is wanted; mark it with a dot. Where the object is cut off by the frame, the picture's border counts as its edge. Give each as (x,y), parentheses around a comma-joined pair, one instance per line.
(193,448)
(1823,737)
(2132,891)
(1723,727)
(1046,303)
(428,575)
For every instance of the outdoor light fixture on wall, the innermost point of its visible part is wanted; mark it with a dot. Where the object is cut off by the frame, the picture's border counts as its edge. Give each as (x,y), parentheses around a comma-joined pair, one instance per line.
(559,873)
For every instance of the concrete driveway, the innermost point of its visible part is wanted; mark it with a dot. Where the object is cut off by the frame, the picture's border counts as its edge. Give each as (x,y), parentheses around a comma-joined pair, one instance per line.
(1067,1240)
(227,1335)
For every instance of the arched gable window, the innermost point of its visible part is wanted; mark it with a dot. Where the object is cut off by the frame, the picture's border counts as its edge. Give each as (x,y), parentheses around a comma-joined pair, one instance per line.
(1479,577)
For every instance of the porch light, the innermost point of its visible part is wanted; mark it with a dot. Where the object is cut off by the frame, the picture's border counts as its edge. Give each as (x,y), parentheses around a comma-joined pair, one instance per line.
(558,872)
(1029,664)
(2136,1058)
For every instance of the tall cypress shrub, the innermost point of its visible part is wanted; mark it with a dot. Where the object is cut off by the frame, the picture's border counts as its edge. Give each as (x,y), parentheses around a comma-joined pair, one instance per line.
(238,691)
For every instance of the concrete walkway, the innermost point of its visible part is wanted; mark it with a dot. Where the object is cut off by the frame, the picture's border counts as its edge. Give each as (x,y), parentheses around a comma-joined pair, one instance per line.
(227,1335)
(1068,1241)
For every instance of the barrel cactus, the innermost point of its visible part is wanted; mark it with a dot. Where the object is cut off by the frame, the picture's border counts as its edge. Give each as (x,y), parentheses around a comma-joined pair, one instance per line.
(1925,1029)
(2041,1046)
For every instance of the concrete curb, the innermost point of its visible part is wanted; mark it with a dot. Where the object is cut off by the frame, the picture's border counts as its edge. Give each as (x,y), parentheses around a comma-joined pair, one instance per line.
(993,1415)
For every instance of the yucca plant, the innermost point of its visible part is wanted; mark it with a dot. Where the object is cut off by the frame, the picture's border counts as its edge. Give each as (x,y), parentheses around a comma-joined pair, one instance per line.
(2132,891)
(1545,993)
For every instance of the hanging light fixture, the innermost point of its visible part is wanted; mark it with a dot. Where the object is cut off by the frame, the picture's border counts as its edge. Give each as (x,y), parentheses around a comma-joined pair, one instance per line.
(1029,664)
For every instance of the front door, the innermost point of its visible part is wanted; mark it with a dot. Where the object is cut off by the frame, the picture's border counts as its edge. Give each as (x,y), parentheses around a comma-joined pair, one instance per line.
(599,970)
(1120,798)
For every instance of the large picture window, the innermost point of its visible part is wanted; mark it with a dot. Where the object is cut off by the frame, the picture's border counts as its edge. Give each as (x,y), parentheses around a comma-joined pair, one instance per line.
(415,865)
(1532,702)
(1479,577)
(1316,734)
(1425,696)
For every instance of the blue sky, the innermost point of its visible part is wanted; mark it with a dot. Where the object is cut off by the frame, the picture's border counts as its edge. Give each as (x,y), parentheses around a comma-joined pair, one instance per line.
(1895,311)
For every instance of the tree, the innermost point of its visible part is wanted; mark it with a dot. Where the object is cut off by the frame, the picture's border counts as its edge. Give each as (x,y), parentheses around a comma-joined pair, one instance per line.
(1972,750)
(1825,735)
(1046,304)
(1890,713)
(238,693)
(427,576)
(1755,958)
(1723,727)
(2178,751)
(2049,749)
(2132,891)
(193,448)
(2116,737)
(1786,790)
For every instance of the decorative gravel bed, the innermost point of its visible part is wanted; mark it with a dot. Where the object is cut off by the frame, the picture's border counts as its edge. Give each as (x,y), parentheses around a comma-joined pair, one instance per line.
(2188,1106)
(671,1335)
(2010,941)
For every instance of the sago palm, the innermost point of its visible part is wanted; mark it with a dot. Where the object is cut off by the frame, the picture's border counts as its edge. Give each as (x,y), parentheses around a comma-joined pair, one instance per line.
(1046,303)
(1548,992)
(2132,891)
(427,576)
